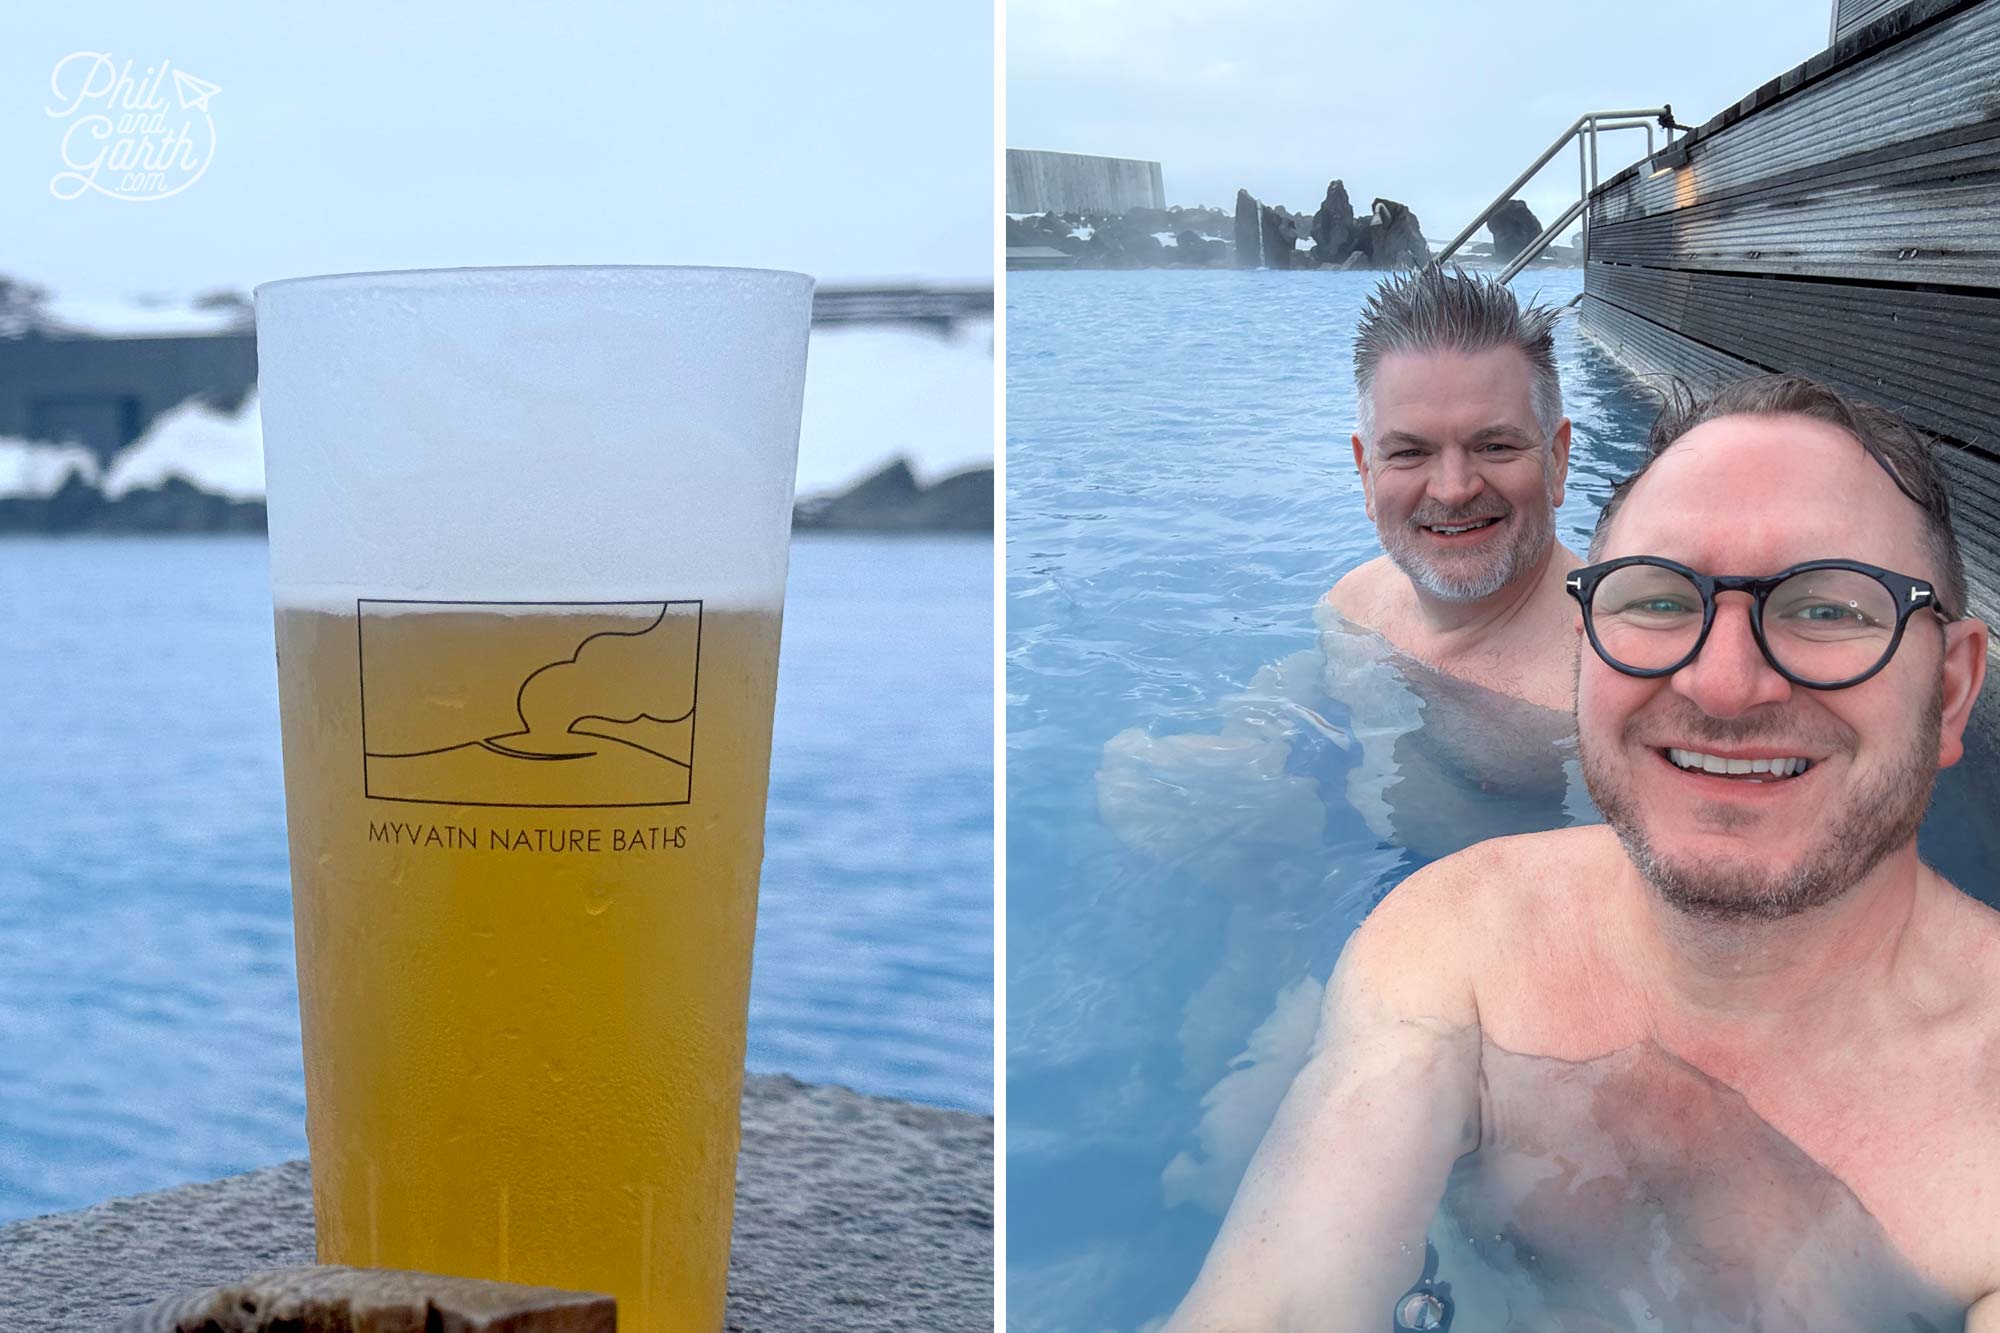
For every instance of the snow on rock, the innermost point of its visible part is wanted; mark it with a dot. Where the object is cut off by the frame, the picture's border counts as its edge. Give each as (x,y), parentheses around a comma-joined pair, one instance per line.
(221,452)
(872,395)
(138,318)
(32,468)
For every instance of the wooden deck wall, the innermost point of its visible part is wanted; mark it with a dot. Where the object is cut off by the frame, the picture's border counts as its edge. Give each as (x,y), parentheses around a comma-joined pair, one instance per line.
(1850,16)
(1843,221)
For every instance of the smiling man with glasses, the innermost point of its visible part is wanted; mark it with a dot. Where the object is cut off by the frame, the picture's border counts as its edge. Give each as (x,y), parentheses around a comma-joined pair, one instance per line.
(1734,1060)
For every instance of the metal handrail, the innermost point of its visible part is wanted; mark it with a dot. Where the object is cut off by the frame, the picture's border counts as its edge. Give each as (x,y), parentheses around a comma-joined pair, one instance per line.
(1533,250)
(1585,130)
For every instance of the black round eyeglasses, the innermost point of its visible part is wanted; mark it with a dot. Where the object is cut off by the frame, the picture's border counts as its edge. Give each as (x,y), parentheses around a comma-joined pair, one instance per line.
(1825,624)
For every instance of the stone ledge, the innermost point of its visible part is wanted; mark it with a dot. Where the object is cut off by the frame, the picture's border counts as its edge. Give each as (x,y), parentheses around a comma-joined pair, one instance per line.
(852,1212)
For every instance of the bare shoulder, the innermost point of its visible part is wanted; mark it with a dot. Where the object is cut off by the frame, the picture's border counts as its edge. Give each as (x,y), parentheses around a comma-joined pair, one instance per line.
(1493,879)
(1965,943)
(1364,594)
(1441,930)
(1971,962)
(1970,957)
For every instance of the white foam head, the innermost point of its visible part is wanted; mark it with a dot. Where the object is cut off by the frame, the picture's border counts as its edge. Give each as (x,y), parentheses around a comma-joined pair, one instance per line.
(573,434)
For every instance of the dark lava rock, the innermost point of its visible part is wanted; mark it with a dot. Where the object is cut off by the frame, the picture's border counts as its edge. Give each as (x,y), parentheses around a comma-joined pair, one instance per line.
(1249,232)
(894,501)
(175,505)
(1395,238)
(1281,238)
(1335,234)
(1514,228)
(890,501)
(1203,221)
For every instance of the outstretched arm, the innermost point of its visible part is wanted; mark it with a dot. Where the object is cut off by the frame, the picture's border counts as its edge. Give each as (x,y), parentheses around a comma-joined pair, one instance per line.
(1327,1229)
(1206,801)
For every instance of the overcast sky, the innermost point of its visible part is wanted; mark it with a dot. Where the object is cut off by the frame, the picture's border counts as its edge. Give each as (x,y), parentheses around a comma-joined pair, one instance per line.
(1437,105)
(851,141)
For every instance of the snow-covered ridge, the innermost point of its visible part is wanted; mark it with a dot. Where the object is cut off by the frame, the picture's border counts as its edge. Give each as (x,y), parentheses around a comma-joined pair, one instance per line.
(221,452)
(37,471)
(130,317)
(872,395)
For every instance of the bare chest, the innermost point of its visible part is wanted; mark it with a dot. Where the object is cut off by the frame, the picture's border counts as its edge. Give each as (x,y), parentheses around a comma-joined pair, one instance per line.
(1774,1182)
(1632,1187)
(1531,658)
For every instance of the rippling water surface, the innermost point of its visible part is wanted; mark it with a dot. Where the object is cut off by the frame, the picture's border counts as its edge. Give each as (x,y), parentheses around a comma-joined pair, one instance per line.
(148,1011)
(1180,492)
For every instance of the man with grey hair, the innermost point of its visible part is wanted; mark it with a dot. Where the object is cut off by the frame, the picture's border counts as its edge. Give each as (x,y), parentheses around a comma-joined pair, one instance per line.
(1731,1061)
(1450,655)
(1462,449)
(1448,664)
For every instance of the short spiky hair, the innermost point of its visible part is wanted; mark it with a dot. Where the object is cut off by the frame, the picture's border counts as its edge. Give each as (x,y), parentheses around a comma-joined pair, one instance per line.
(1904,452)
(1438,310)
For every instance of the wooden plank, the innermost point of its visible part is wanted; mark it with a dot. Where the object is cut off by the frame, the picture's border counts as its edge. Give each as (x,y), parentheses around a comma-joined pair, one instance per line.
(1656,355)
(1851,16)
(1899,25)
(1920,213)
(1927,355)
(1944,77)
(316,1299)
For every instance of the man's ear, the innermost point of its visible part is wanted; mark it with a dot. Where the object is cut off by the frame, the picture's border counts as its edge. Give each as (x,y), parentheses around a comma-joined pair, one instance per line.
(1558,462)
(1367,482)
(1964,671)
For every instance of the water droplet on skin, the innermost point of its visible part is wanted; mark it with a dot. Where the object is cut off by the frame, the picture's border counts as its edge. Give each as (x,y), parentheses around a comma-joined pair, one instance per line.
(1420,1310)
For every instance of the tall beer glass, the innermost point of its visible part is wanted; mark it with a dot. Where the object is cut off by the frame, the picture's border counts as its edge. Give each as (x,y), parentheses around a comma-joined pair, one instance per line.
(528,546)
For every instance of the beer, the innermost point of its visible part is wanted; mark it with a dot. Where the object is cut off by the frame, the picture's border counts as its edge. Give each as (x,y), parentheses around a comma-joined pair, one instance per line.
(525,834)
(525,842)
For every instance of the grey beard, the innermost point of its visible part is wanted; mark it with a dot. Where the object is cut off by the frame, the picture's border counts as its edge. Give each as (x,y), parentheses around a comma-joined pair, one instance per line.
(1876,821)
(1533,535)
